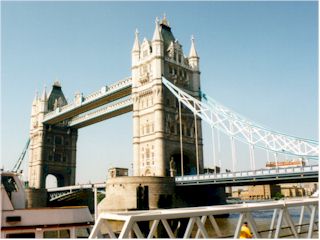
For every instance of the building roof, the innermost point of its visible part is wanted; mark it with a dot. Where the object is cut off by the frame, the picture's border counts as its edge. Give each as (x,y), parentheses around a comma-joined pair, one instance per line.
(167,35)
(56,97)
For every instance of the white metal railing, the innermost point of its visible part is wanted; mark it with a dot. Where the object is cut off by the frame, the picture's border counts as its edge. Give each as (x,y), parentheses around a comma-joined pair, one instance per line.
(249,173)
(77,187)
(110,89)
(199,218)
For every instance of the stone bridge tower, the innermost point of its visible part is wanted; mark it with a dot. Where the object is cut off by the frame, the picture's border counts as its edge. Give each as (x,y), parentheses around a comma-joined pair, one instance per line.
(156,128)
(52,147)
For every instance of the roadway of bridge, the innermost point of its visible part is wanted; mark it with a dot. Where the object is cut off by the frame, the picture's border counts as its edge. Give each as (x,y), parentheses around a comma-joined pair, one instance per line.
(254,177)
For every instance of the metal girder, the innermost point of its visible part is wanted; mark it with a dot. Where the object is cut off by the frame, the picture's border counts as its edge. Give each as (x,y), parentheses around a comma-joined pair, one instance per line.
(240,128)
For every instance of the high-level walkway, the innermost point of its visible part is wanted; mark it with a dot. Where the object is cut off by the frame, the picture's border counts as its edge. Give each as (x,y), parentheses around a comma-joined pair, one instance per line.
(105,95)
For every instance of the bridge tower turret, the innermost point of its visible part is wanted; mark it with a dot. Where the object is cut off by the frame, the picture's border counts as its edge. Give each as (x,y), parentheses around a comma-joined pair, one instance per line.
(52,147)
(156,129)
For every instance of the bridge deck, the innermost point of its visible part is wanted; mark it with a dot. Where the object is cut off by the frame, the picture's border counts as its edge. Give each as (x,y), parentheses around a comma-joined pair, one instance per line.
(254,177)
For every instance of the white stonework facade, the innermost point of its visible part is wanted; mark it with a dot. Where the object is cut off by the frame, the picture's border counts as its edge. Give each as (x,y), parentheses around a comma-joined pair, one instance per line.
(52,148)
(156,129)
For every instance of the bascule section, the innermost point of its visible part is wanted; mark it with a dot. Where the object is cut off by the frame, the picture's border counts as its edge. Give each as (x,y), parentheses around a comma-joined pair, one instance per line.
(160,141)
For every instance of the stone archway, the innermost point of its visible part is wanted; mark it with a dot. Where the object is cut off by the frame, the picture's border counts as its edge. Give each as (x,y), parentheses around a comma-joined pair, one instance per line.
(148,172)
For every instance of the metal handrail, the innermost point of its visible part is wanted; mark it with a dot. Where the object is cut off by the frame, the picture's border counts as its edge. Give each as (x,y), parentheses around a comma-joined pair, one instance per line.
(198,216)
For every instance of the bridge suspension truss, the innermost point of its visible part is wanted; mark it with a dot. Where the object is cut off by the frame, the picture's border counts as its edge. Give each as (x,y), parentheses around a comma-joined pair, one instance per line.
(237,127)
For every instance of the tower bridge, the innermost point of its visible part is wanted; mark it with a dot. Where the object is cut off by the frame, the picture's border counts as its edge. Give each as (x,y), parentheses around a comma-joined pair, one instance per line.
(164,93)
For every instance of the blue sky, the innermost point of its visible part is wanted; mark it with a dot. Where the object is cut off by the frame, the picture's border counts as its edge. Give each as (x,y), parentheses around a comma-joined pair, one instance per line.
(258,58)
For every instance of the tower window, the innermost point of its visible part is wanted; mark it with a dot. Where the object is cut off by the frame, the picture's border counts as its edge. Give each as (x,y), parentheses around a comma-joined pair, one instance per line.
(188,132)
(58,140)
(172,128)
(57,157)
(147,153)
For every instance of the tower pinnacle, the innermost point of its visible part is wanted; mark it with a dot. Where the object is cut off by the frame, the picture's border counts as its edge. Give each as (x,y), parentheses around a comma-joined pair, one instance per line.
(193,52)
(136,45)
(44,94)
(157,34)
(164,20)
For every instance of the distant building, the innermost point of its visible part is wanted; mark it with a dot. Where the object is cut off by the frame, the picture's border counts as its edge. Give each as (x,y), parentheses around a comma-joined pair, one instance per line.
(257,192)
(117,172)
(298,190)
(292,191)
(270,191)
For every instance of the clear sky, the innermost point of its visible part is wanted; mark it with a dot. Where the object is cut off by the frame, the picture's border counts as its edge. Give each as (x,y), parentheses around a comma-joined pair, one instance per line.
(258,58)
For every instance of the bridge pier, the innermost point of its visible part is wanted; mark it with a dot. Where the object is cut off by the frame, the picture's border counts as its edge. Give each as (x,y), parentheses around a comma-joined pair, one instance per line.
(199,195)
(147,193)
(36,197)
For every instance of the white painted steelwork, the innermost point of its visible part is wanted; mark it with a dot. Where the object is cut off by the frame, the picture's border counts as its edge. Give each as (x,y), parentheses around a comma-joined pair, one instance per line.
(238,127)
(56,193)
(197,218)
(265,175)
(103,92)
(100,113)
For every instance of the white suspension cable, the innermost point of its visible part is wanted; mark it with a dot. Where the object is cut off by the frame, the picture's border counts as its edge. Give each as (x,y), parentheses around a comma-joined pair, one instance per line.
(181,144)
(196,140)
(233,154)
(268,155)
(213,151)
(252,158)
(219,149)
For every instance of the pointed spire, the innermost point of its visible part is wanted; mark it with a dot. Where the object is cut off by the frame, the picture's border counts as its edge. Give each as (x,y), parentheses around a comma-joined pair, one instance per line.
(44,94)
(193,52)
(164,20)
(157,35)
(36,97)
(136,45)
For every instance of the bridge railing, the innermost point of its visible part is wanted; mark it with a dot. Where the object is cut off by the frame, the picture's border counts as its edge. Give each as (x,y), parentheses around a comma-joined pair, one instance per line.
(249,173)
(77,187)
(107,90)
(200,222)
